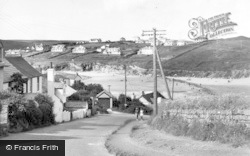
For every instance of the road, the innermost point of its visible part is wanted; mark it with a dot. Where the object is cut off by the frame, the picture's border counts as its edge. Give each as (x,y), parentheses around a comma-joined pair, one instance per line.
(83,137)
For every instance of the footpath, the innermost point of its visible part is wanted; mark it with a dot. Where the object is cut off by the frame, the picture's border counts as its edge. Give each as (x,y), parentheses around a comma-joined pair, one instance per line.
(136,138)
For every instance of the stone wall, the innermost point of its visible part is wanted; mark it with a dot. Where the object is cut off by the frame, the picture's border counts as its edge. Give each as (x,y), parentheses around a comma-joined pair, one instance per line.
(226,116)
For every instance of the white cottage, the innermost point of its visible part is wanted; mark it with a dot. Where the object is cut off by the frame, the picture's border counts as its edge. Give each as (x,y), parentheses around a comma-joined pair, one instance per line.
(58,48)
(146,51)
(39,47)
(79,49)
(19,65)
(112,51)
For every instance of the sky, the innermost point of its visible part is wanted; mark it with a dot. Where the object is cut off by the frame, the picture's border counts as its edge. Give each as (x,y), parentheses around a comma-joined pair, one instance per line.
(112,19)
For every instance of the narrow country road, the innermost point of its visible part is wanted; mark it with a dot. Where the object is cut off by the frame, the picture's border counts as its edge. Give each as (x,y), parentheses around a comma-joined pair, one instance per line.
(83,137)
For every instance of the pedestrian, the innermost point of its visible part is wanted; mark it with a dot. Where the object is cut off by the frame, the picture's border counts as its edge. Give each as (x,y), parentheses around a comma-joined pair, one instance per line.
(136,112)
(141,114)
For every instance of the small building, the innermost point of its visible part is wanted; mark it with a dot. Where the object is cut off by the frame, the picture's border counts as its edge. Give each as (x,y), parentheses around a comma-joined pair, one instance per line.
(96,40)
(146,51)
(39,47)
(13,52)
(147,99)
(181,43)
(58,48)
(70,79)
(79,49)
(170,43)
(112,51)
(19,65)
(105,98)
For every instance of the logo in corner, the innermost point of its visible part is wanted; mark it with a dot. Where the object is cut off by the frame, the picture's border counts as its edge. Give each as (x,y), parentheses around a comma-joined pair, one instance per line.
(204,29)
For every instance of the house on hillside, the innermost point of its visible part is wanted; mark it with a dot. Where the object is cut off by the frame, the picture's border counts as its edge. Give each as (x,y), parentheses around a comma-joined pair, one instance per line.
(96,40)
(79,49)
(112,51)
(39,47)
(13,52)
(170,43)
(19,65)
(70,79)
(147,99)
(58,48)
(105,99)
(181,43)
(146,51)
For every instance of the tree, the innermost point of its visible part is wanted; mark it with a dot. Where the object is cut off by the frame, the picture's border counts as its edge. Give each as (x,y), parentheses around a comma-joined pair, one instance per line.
(17,83)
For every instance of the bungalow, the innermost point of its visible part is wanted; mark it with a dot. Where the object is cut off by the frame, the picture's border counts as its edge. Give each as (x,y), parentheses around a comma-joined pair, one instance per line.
(170,43)
(39,47)
(19,65)
(95,40)
(181,43)
(146,51)
(13,52)
(70,79)
(112,51)
(147,99)
(79,49)
(58,48)
(105,98)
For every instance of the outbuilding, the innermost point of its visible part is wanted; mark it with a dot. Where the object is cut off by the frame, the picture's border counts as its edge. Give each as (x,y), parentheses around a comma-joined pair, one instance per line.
(105,98)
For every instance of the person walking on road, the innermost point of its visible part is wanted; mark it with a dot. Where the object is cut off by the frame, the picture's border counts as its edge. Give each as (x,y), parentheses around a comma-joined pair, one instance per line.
(137,113)
(141,114)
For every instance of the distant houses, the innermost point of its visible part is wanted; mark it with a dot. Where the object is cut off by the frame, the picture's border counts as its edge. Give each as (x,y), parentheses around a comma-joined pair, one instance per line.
(79,49)
(39,47)
(58,48)
(95,40)
(13,52)
(146,51)
(170,43)
(112,51)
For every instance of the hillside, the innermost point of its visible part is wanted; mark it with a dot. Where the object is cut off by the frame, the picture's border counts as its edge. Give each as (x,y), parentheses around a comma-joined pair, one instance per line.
(215,58)
(219,55)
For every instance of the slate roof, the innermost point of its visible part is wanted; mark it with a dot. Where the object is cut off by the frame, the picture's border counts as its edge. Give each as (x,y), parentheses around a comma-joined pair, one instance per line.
(105,92)
(150,96)
(18,65)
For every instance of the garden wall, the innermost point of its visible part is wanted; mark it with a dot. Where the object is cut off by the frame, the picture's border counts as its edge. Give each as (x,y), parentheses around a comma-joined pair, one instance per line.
(226,116)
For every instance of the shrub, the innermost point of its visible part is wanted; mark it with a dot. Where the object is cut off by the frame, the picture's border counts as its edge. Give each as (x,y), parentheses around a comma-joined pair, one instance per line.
(43,99)
(46,106)
(78,85)
(33,114)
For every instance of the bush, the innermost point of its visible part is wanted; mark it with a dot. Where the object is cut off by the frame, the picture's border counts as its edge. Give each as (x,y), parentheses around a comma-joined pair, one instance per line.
(46,106)
(33,114)
(43,99)
(78,85)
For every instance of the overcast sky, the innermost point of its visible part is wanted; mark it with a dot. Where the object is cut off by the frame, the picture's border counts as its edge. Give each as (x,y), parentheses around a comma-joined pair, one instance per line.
(111,19)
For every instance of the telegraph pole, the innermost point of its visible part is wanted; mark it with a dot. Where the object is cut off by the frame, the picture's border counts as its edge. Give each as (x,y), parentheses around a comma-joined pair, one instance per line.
(155,57)
(125,68)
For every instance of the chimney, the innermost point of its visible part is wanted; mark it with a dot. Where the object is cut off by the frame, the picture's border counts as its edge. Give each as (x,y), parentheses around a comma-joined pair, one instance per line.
(143,93)
(50,82)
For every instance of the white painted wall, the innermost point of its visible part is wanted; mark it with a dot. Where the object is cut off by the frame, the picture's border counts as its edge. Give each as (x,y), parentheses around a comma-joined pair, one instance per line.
(34,85)
(29,82)
(65,116)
